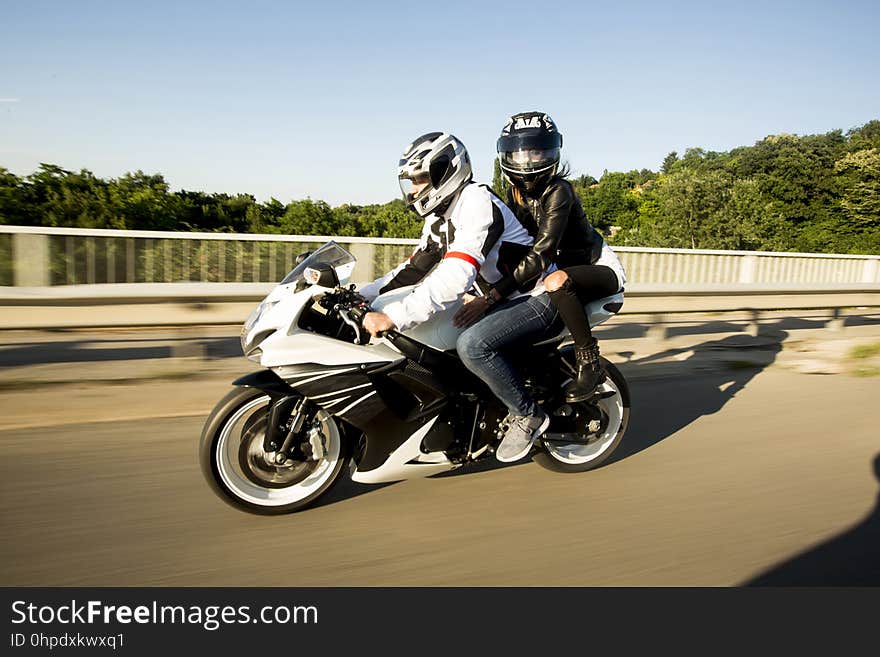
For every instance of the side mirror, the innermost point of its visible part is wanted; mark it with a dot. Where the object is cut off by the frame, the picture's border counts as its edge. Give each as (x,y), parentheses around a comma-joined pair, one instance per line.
(321,274)
(302,256)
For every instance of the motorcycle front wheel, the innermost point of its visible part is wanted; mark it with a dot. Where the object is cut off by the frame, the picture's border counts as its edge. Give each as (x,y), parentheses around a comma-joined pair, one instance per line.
(244,475)
(591,449)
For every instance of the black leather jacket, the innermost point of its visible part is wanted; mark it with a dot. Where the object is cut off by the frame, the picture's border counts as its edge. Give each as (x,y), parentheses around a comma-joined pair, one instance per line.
(562,235)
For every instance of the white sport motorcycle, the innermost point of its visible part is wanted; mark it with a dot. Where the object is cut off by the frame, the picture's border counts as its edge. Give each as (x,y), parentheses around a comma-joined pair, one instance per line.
(332,401)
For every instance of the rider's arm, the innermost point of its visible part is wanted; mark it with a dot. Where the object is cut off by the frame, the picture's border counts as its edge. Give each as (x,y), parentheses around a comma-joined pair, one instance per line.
(410,272)
(552,219)
(471,222)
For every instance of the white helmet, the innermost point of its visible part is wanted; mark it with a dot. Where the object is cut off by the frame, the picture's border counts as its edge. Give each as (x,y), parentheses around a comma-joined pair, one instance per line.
(431,170)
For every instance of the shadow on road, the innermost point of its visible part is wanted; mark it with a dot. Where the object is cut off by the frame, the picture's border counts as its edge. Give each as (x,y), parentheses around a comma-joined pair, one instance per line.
(696,381)
(679,327)
(849,559)
(347,489)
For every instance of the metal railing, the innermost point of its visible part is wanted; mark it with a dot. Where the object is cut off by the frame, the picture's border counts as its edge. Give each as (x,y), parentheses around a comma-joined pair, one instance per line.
(38,257)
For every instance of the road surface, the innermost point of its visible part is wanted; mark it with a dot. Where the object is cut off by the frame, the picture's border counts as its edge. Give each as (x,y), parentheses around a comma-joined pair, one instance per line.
(727,471)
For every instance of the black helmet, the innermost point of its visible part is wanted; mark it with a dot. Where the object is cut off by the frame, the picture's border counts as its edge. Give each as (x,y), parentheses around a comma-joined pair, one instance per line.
(528,150)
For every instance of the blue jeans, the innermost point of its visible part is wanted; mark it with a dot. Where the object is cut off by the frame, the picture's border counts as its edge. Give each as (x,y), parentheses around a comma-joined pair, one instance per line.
(517,324)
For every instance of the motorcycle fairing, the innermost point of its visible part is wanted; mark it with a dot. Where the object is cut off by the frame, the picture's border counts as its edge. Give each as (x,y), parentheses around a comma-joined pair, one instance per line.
(388,402)
(265,380)
(279,350)
(406,461)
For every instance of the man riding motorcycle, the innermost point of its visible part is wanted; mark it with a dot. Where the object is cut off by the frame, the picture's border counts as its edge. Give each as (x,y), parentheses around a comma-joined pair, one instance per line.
(470,238)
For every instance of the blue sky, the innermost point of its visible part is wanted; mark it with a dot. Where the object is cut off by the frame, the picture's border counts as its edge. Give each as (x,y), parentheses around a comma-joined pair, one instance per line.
(318,99)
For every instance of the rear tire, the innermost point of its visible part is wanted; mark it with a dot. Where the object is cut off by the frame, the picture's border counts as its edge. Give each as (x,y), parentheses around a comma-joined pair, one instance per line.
(574,457)
(243,475)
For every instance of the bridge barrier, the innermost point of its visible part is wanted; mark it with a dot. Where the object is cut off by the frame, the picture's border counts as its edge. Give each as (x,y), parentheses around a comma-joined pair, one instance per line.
(43,257)
(70,277)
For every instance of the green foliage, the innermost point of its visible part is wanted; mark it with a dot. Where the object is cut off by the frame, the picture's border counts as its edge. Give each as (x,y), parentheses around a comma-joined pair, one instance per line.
(53,196)
(668,162)
(865,137)
(859,184)
(708,210)
(142,201)
(11,198)
(393,219)
(818,193)
(308,217)
(865,350)
(613,202)
(499,183)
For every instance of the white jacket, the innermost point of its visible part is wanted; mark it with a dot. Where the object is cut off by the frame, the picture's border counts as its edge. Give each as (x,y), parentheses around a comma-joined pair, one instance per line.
(476,241)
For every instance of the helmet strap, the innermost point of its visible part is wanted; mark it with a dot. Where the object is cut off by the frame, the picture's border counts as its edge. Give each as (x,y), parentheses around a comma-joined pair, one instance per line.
(441,209)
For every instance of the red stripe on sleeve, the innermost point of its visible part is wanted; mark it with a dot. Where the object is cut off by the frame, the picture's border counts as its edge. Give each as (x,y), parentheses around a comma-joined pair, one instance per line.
(465,257)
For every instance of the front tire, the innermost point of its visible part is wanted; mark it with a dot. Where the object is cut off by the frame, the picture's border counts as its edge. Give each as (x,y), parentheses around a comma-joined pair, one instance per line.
(243,475)
(578,457)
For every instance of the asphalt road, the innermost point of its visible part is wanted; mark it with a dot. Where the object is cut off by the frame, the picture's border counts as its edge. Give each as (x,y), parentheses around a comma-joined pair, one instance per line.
(723,475)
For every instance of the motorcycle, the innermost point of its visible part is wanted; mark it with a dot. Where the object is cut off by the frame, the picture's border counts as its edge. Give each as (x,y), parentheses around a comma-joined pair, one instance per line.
(334,402)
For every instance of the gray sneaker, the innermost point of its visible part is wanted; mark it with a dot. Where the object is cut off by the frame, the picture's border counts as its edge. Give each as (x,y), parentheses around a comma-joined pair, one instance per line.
(520,435)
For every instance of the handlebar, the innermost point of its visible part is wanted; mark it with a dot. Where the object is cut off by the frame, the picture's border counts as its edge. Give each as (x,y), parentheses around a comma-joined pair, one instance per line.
(358,313)
(349,316)
(352,308)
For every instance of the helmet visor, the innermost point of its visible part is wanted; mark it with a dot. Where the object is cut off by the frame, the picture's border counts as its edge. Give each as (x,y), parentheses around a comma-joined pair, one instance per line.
(529,160)
(414,187)
(529,140)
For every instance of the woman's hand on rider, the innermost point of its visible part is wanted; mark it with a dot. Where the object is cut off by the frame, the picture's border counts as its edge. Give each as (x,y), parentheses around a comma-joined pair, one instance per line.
(376,323)
(473,309)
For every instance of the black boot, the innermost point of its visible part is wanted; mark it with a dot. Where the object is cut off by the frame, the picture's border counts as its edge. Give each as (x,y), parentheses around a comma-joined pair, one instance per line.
(589,373)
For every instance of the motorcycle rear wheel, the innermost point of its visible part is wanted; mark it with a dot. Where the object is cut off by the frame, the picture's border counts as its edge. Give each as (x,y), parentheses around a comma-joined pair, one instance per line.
(235,466)
(579,457)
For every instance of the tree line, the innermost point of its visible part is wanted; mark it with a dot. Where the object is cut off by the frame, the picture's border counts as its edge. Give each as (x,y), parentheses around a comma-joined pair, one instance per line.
(812,193)
(53,196)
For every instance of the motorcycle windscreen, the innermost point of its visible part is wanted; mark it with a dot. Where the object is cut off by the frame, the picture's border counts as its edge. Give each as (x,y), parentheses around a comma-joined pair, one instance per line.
(330,254)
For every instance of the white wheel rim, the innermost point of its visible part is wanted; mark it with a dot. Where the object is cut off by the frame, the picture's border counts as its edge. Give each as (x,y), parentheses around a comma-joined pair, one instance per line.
(578,454)
(226,456)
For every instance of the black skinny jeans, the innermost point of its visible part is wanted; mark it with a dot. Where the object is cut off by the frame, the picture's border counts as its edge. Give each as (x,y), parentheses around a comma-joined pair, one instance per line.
(586,283)
(592,282)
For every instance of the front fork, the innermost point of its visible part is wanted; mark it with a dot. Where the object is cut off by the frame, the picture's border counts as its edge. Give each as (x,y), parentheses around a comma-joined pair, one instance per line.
(287,417)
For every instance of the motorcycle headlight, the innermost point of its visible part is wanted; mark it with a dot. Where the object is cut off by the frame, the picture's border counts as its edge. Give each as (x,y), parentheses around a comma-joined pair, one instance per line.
(311,276)
(252,319)
(248,342)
